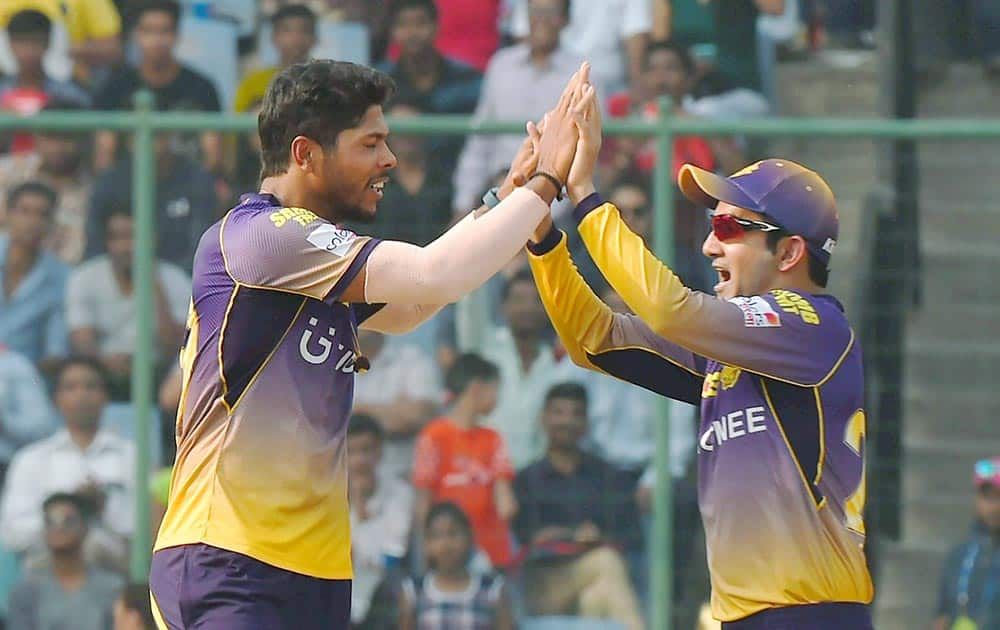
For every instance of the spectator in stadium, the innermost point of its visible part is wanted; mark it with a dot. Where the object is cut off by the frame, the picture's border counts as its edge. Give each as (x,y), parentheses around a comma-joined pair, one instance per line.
(185,204)
(175,86)
(667,70)
(133,611)
(293,32)
(449,595)
(428,80)
(26,92)
(611,35)
(729,82)
(32,320)
(469,31)
(100,305)
(523,352)
(402,391)
(416,202)
(25,414)
(57,161)
(576,512)
(381,514)
(541,63)
(968,596)
(81,458)
(459,460)
(70,592)
(93,29)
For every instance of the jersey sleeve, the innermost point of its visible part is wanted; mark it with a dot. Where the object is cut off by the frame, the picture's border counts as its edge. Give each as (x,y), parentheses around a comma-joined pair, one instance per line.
(614,343)
(426,461)
(785,335)
(293,250)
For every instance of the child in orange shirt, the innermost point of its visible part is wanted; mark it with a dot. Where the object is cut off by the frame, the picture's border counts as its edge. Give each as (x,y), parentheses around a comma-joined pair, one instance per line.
(459,461)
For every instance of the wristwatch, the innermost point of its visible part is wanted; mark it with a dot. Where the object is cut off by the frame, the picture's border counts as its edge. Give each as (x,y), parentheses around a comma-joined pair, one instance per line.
(490,199)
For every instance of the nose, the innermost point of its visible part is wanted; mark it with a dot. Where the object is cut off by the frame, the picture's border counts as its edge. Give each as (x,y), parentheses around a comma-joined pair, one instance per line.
(711,247)
(389,159)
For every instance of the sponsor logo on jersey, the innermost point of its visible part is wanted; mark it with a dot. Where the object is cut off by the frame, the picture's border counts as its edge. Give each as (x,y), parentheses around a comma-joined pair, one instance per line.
(333,239)
(757,312)
(795,304)
(732,426)
(727,377)
(299,215)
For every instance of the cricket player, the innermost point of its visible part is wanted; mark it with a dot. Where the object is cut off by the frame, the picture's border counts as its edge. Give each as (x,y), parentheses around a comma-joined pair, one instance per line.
(256,532)
(772,361)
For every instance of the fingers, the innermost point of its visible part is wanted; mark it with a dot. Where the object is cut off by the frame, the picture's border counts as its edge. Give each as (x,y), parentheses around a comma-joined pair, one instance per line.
(567,93)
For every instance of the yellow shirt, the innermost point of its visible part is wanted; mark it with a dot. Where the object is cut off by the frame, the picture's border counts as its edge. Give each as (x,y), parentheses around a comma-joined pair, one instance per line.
(83,19)
(252,88)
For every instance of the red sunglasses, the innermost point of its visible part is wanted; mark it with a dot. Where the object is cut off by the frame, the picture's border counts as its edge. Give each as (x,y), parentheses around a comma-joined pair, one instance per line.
(728,227)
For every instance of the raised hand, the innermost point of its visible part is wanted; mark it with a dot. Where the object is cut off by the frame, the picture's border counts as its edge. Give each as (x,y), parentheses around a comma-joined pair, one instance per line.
(557,145)
(587,118)
(525,162)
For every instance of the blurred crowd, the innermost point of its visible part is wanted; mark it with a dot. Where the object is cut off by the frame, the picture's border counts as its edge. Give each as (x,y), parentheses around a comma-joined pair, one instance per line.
(490,488)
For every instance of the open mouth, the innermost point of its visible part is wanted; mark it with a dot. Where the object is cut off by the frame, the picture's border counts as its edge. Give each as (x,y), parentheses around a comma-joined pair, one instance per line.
(378,186)
(724,278)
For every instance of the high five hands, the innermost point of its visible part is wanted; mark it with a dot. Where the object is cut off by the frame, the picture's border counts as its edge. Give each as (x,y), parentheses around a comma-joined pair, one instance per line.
(562,147)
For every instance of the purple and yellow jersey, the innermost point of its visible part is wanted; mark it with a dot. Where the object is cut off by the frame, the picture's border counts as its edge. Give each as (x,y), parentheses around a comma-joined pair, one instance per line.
(781,442)
(268,380)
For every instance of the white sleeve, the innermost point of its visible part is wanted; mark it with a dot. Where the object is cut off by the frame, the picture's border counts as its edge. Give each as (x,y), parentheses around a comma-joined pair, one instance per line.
(519,24)
(638,18)
(459,261)
(79,305)
(177,287)
(21,520)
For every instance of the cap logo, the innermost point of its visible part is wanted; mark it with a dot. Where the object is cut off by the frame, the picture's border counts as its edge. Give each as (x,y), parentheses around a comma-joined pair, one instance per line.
(829,246)
(750,169)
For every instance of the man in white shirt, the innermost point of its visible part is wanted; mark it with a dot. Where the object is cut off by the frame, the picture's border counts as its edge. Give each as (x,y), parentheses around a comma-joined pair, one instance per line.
(381,514)
(527,362)
(80,458)
(521,83)
(611,34)
(402,391)
(100,304)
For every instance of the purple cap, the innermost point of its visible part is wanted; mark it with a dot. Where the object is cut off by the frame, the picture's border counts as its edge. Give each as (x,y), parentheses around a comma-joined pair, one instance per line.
(789,194)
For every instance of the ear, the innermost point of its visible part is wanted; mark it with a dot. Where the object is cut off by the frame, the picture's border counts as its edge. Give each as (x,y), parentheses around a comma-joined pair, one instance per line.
(791,251)
(304,153)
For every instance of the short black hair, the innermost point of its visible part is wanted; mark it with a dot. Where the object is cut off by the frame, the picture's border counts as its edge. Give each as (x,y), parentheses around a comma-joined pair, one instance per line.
(318,99)
(682,53)
(290,11)
(522,275)
(406,5)
(467,368)
(78,360)
(567,391)
(447,509)
(364,424)
(29,22)
(33,187)
(142,7)
(818,272)
(567,4)
(82,506)
(135,596)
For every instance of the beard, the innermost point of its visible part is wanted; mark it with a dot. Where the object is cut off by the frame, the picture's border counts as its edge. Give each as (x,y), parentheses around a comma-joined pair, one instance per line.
(352,213)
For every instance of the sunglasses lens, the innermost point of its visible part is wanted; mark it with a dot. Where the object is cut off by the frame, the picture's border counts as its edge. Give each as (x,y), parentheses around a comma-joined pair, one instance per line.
(726,227)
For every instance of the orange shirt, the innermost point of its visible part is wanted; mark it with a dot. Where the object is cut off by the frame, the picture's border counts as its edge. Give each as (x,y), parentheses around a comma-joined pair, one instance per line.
(462,465)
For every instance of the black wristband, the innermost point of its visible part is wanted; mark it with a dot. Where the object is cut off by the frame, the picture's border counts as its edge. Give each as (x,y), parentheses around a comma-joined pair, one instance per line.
(552,179)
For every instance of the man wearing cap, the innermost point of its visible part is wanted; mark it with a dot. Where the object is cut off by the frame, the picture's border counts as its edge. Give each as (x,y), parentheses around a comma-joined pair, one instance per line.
(970,580)
(772,361)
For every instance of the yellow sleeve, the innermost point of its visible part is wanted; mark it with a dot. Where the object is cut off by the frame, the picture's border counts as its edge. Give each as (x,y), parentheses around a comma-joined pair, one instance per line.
(596,338)
(252,88)
(97,19)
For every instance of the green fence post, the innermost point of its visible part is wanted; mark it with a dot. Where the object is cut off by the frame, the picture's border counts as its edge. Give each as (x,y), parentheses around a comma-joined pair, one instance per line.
(143,184)
(662,557)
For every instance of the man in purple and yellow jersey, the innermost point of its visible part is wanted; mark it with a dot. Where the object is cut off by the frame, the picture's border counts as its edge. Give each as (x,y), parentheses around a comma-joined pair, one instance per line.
(257,528)
(773,362)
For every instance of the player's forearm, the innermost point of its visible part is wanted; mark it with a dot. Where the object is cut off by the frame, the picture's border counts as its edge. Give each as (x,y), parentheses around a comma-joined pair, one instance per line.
(649,287)
(459,261)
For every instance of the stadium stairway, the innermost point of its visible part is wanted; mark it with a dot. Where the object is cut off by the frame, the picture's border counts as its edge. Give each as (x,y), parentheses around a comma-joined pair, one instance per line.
(952,341)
